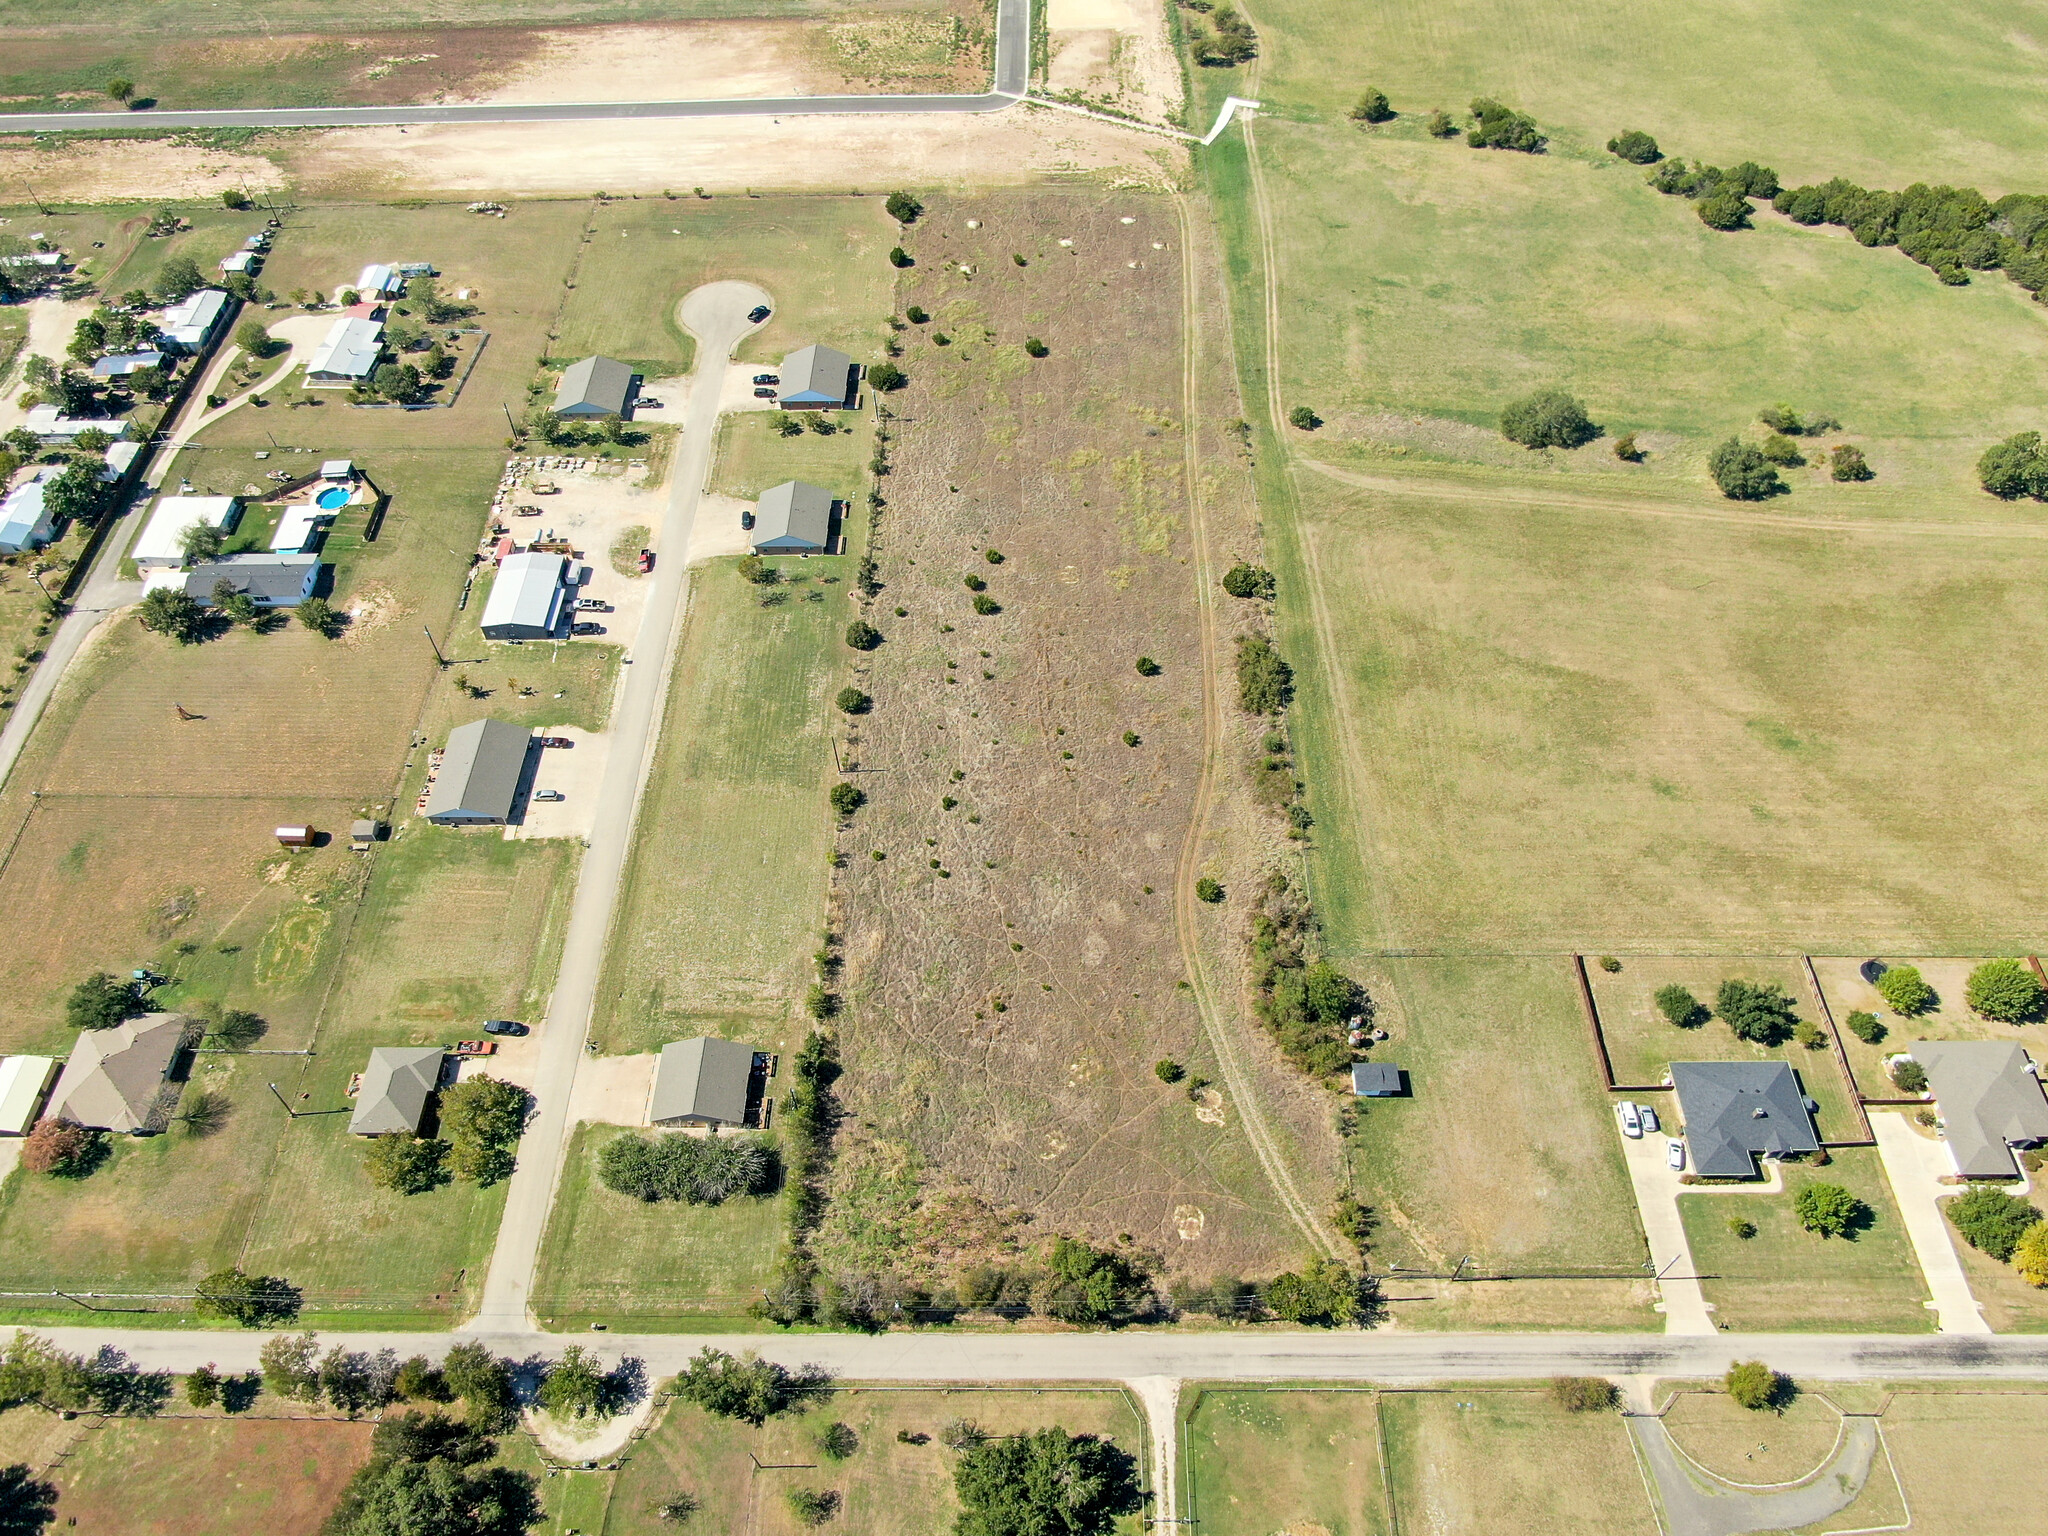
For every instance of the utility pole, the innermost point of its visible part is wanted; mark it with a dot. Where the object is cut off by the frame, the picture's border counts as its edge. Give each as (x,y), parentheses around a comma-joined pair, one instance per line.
(281,1099)
(510,425)
(437,649)
(34,198)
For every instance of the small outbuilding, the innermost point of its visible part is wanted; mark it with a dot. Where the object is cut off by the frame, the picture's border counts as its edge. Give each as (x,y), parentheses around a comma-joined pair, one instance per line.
(116,1079)
(793,518)
(1375,1080)
(1990,1102)
(1738,1111)
(25,523)
(51,425)
(702,1082)
(240,261)
(268,581)
(395,1089)
(379,280)
(23,1082)
(478,782)
(119,365)
(527,597)
(816,378)
(162,540)
(596,386)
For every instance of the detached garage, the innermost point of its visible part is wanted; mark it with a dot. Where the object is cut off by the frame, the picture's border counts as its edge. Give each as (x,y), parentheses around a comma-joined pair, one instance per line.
(478,782)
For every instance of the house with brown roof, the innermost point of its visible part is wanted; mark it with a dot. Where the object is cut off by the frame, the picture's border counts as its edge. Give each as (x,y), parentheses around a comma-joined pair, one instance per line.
(119,1079)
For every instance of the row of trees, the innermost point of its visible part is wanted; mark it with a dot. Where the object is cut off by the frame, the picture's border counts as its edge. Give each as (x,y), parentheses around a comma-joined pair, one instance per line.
(1227,41)
(1308,1005)
(178,616)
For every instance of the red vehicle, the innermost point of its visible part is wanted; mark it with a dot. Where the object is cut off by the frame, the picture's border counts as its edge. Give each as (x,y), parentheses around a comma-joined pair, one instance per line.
(646,561)
(556,741)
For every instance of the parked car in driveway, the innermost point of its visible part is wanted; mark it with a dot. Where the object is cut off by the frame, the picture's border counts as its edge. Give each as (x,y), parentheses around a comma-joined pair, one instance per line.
(1631,1122)
(586,629)
(556,741)
(593,605)
(646,561)
(503,1027)
(1674,1153)
(548,794)
(767,378)
(764,394)
(758,313)
(1650,1126)
(746,518)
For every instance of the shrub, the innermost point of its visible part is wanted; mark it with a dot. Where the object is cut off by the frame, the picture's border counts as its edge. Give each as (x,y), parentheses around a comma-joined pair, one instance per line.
(1847,463)
(1610,964)
(1636,147)
(62,1149)
(1208,890)
(1243,580)
(1626,450)
(1167,1070)
(1742,1227)
(2006,990)
(2016,467)
(1905,990)
(1810,1035)
(1304,418)
(1264,682)
(1742,473)
(202,1387)
(1441,125)
(1033,347)
(863,636)
(1324,1294)
(2030,1255)
(1992,1221)
(1755,1385)
(1781,418)
(986,605)
(903,208)
(1679,1006)
(1131,738)
(1501,127)
(992,556)
(899,257)
(1865,1026)
(677,1508)
(846,799)
(318,615)
(1829,1210)
(1780,449)
(886,377)
(1147,667)
(1725,209)
(1909,1076)
(1550,418)
(852,701)
(1759,1012)
(1584,1394)
(1372,107)
(838,1441)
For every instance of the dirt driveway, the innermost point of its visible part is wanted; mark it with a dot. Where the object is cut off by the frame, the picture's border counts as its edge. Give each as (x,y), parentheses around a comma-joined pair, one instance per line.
(50,324)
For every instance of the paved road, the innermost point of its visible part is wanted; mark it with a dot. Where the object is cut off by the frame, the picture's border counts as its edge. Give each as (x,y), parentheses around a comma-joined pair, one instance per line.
(716,314)
(1699,1503)
(1012,73)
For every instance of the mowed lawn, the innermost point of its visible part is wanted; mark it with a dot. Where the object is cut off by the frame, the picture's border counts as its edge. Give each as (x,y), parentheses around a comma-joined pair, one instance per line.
(725,887)
(1570,727)
(753,456)
(1942,1444)
(1788,1280)
(887,1487)
(1505,1149)
(613,1259)
(822,260)
(1256,1462)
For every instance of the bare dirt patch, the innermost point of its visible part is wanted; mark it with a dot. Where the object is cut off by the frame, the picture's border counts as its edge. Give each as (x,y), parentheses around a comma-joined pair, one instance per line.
(681,62)
(111,170)
(1012,970)
(1114,53)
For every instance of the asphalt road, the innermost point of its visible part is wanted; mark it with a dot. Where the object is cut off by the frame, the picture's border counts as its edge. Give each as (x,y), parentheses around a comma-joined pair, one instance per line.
(1013,58)
(717,315)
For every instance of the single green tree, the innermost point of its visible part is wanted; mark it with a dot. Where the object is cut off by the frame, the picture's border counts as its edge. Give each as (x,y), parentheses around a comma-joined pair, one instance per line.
(853,702)
(1208,890)
(1033,347)
(1147,667)
(101,1001)
(2016,467)
(812,1506)
(576,1387)
(1045,1483)
(1742,473)
(862,636)
(903,208)
(1265,682)
(1636,147)
(405,1163)
(1442,125)
(845,798)
(749,1389)
(254,1301)
(1829,1209)
(177,277)
(1725,209)
(1755,1385)
(1908,1076)
(1846,463)
(2006,990)
(899,257)
(1243,580)
(1304,419)
(1372,107)
(253,339)
(1679,1006)
(236,606)
(1758,1012)
(1549,418)
(1167,1070)
(121,89)
(1626,449)
(319,615)
(1781,450)
(202,1387)
(1865,1026)
(1905,990)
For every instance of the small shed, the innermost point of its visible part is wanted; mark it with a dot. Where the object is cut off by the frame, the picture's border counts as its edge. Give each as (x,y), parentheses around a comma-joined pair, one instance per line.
(395,1088)
(297,836)
(25,522)
(793,518)
(480,773)
(816,378)
(119,365)
(702,1082)
(238,261)
(1375,1079)
(596,386)
(380,280)
(23,1082)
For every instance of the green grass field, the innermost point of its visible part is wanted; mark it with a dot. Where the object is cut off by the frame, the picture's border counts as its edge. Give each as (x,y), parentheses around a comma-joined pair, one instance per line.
(752,456)
(1255,1462)
(613,1259)
(1788,1280)
(725,887)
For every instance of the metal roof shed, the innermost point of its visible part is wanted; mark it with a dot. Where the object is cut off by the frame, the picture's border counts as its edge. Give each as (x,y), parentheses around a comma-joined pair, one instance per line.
(526,598)
(395,1088)
(163,538)
(480,773)
(1375,1079)
(595,386)
(792,518)
(1736,1111)
(816,378)
(22,1081)
(701,1082)
(1989,1099)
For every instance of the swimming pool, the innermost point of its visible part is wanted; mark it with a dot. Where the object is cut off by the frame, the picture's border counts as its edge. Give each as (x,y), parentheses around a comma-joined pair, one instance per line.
(334,496)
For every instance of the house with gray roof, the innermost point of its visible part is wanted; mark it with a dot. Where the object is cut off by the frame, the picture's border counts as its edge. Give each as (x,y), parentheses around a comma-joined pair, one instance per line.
(1990,1102)
(596,386)
(816,378)
(119,1079)
(702,1082)
(268,581)
(478,781)
(1738,1111)
(396,1086)
(793,518)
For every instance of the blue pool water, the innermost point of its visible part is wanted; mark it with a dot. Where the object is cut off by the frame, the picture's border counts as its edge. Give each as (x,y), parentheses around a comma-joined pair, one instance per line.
(334,496)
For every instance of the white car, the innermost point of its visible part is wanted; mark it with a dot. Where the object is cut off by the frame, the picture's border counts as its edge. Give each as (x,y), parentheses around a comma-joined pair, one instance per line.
(1649,1119)
(1674,1154)
(1631,1122)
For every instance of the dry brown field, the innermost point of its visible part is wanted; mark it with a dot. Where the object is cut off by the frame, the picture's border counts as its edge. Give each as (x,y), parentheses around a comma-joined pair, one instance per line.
(1013,966)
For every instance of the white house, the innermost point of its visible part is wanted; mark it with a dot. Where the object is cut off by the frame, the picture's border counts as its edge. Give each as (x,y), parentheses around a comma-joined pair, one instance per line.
(119,457)
(191,324)
(240,261)
(24,524)
(161,543)
(348,354)
(53,426)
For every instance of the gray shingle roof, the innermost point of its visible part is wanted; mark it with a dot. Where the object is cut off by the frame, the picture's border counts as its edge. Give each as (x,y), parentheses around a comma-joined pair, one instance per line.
(702,1079)
(116,1076)
(1375,1077)
(1988,1101)
(396,1083)
(595,386)
(815,375)
(794,515)
(479,777)
(1735,1110)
